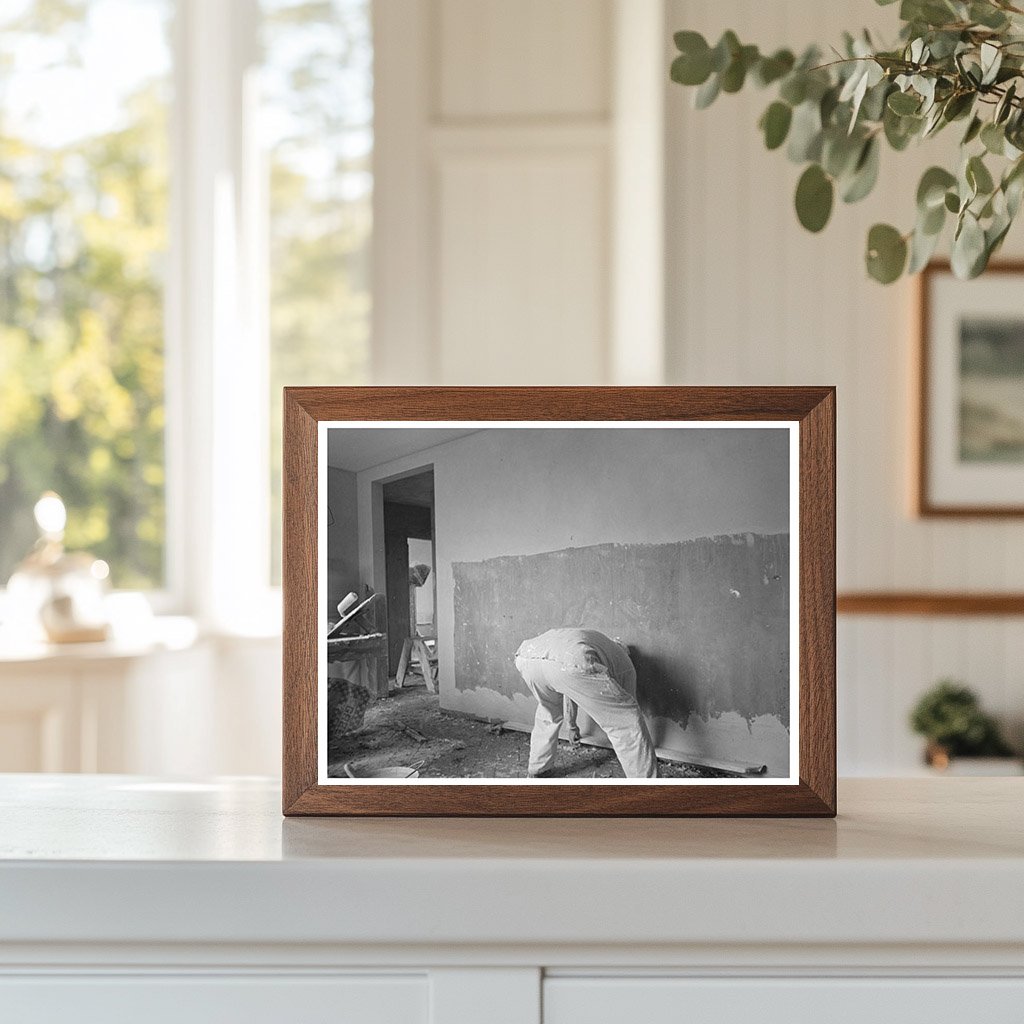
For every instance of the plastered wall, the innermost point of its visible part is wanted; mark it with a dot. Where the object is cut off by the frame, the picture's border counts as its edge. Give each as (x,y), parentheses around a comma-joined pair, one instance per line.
(342,536)
(502,494)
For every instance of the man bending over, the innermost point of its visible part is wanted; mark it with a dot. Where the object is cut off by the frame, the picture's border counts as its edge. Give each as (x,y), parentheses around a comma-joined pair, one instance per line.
(594,672)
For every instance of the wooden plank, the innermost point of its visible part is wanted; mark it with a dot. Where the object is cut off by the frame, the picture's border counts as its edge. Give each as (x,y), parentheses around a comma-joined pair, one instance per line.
(928,603)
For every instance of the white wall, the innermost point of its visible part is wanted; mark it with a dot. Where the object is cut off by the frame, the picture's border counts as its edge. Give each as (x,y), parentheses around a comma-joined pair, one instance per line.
(502,187)
(754,299)
(504,162)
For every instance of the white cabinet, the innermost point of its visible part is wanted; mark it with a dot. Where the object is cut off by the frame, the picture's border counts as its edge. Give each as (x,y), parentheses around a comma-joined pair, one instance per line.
(128,899)
(829,1000)
(99,707)
(174,705)
(199,999)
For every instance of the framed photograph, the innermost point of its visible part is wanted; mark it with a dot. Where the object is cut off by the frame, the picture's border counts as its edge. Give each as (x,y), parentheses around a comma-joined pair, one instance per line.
(970,451)
(559,601)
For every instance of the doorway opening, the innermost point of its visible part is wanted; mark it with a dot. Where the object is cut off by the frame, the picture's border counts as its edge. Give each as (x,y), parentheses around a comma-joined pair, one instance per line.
(410,563)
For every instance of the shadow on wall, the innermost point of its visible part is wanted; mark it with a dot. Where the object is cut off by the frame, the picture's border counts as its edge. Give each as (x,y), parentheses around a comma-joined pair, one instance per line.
(706,621)
(661,684)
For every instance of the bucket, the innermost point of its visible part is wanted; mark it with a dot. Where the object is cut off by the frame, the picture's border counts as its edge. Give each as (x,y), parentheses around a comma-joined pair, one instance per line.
(396,772)
(400,772)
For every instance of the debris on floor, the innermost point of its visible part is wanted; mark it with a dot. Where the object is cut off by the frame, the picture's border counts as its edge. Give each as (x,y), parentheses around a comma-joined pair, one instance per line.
(410,726)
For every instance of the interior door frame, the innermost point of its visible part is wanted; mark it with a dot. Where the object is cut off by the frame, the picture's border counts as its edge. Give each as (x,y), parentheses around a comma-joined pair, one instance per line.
(378,531)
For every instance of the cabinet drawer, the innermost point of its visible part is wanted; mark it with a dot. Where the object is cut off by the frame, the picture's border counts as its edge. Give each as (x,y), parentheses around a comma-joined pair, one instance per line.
(569,1000)
(202,999)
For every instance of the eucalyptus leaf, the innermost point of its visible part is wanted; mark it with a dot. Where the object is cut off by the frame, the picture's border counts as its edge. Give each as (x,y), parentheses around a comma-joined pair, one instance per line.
(958,105)
(840,152)
(1005,105)
(867,74)
(925,87)
(1013,187)
(991,60)
(966,187)
(987,15)
(707,93)
(691,70)
(931,191)
(873,107)
(794,88)
(973,130)
(735,74)
(922,247)
(775,122)
(814,196)
(828,105)
(865,173)
(932,221)
(900,130)
(805,133)
(993,138)
(724,51)
(944,44)
(1014,192)
(978,176)
(929,12)
(933,122)
(903,103)
(886,253)
(968,247)
(771,69)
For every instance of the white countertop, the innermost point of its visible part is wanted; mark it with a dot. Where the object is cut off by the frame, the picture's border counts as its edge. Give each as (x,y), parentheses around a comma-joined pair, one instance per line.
(122,859)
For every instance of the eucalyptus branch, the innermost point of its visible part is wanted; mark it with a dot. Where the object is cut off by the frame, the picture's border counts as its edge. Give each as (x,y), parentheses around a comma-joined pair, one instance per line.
(954,60)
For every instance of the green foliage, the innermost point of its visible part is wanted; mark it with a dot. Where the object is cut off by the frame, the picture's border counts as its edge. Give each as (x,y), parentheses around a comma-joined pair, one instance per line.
(82,248)
(82,233)
(949,715)
(775,124)
(814,194)
(956,60)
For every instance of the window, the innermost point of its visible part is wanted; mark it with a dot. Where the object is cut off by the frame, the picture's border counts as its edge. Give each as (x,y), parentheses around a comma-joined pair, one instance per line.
(83,236)
(317,117)
(185,221)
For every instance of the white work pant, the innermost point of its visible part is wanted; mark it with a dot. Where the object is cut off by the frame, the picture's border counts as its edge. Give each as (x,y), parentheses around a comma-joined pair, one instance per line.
(607,703)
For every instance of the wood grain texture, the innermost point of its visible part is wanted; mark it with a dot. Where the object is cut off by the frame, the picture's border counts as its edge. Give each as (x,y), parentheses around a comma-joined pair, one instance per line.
(925,603)
(817,573)
(812,407)
(299,596)
(924,505)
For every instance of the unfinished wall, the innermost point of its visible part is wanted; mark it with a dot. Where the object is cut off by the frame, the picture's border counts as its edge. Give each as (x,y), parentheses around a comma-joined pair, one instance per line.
(706,622)
(507,494)
(342,536)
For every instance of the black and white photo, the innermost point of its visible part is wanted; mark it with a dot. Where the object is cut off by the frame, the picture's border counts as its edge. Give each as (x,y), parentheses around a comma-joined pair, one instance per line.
(528,603)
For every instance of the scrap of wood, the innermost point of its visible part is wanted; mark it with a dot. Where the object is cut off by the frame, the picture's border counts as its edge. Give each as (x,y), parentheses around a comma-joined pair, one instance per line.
(410,731)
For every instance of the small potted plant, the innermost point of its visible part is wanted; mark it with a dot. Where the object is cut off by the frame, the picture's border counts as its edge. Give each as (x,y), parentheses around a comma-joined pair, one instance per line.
(950,717)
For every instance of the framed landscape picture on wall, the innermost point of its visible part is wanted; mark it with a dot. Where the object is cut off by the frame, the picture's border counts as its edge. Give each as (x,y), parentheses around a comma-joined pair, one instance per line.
(559,601)
(970,451)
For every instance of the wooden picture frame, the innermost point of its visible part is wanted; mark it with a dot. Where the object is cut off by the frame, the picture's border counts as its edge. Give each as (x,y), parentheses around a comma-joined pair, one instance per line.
(808,413)
(947,482)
